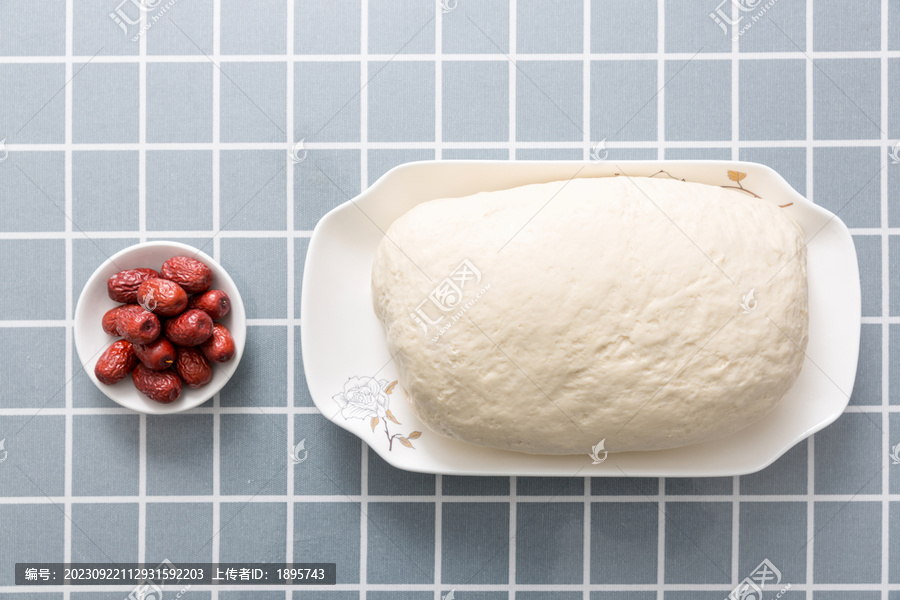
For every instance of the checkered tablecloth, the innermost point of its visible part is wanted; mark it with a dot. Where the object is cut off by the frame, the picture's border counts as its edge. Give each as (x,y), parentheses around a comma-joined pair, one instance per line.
(183,119)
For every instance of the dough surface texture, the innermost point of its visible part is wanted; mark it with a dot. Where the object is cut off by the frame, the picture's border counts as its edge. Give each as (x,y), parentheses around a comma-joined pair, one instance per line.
(647,312)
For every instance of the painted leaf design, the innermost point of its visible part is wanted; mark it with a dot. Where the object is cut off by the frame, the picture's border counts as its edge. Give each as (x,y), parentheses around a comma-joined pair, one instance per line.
(389,389)
(736,175)
(415,435)
(405,442)
(374,423)
(390,416)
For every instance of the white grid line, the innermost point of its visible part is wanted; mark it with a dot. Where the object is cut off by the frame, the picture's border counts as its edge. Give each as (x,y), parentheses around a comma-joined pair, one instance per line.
(661,154)
(513,78)
(70,290)
(586,83)
(736,574)
(206,409)
(142,237)
(438,82)
(438,155)
(433,145)
(277,322)
(735,92)
(216,131)
(513,531)
(364,183)
(735,155)
(661,538)
(438,533)
(428,57)
(586,540)
(513,134)
(142,134)
(142,488)
(299,410)
(112,235)
(885,308)
(660,58)
(810,191)
(249,234)
(363,520)
(291,330)
(810,510)
(216,498)
(468,498)
(364,59)
(586,140)
(217,225)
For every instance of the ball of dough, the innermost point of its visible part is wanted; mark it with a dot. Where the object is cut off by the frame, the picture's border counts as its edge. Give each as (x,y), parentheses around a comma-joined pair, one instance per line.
(647,312)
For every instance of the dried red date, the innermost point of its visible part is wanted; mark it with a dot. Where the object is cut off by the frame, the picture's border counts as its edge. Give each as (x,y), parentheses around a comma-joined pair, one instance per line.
(193,367)
(123,286)
(109,319)
(190,328)
(191,274)
(163,297)
(116,362)
(161,386)
(215,303)
(220,345)
(137,325)
(157,355)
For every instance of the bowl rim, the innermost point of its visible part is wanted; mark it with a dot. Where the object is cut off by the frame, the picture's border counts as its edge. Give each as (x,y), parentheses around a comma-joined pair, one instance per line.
(238,328)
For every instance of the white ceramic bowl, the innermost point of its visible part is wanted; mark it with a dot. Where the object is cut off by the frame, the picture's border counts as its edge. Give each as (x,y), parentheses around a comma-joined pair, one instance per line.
(344,345)
(91,340)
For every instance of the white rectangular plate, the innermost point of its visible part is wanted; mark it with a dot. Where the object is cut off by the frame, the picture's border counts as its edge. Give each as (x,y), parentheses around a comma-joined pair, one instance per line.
(344,345)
